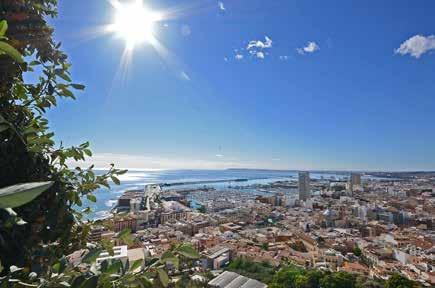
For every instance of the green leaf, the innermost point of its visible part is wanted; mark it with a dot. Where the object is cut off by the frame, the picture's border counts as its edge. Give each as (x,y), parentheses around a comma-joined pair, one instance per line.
(62,74)
(113,268)
(108,246)
(121,172)
(87,210)
(11,52)
(124,233)
(136,264)
(34,63)
(20,194)
(146,283)
(91,282)
(77,282)
(22,284)
(169,257)
(3,27)
(163,277)
(20,221)
(3,127)
(11,212)
(188,251)
(14,269)
(56,267)
(92,256)
(60,265)
(125,236)
(91,198)
(67,93)
(174,261)
(167,254)
(115,180)
(65,77)
(78,86)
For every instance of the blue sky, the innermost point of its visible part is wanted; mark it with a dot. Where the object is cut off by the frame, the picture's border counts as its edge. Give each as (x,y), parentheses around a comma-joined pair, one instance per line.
(335,85)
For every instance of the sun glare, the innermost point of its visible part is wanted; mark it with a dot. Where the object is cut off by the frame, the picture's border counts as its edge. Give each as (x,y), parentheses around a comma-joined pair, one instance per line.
(134,23)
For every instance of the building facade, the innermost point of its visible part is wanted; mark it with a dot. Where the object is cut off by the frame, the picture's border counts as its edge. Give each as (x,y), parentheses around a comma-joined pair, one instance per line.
(304,186)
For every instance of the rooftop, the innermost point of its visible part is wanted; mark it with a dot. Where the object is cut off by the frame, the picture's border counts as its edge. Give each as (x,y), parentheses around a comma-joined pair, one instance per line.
(233,280)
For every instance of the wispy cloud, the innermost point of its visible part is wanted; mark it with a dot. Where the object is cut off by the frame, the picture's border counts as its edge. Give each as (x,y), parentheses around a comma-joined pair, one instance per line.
(219,155)
(417,45)
(221,6)
(257,44)
(283,57)
(137,162)
(238,56)
(184,76)
(310,48)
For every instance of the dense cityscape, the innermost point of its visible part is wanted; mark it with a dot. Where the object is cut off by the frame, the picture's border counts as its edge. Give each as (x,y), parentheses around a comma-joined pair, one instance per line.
(374,225)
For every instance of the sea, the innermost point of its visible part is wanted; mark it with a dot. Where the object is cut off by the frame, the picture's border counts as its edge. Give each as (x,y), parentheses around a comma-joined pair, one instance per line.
(188,179)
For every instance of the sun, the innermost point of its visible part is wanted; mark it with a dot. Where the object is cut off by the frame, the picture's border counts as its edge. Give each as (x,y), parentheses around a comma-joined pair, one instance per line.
(134,22)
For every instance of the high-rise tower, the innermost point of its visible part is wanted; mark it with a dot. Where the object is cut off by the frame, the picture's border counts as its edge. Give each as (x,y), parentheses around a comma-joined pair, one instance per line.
(304,186)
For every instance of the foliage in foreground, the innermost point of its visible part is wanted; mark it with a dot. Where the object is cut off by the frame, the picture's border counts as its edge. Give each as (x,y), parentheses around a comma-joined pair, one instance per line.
(34,235)
(153,272)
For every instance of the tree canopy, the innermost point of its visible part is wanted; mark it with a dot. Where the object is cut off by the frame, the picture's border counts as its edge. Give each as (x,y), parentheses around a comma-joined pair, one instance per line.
(28,151)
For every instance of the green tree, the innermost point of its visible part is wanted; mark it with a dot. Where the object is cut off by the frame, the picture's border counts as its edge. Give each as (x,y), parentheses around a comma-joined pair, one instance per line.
(28,151)
(202,209)
(286,277)
(262,271)
(364,282)
(357,251)
(302,281)
(399,281)
(338,280)
(314,277)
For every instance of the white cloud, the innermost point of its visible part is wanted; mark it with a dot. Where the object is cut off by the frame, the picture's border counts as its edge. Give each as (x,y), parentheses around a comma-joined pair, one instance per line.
(417,45)
(221,6)
(284,57)
(257,48)
(185,76)
(310,48)
(257,44)
(219,155)
(260,55)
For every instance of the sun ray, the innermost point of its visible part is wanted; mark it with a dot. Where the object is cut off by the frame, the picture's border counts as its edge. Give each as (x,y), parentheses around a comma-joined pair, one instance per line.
(133,22)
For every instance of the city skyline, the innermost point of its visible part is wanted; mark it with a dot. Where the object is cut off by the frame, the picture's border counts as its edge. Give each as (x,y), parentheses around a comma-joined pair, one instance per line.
(289,85)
